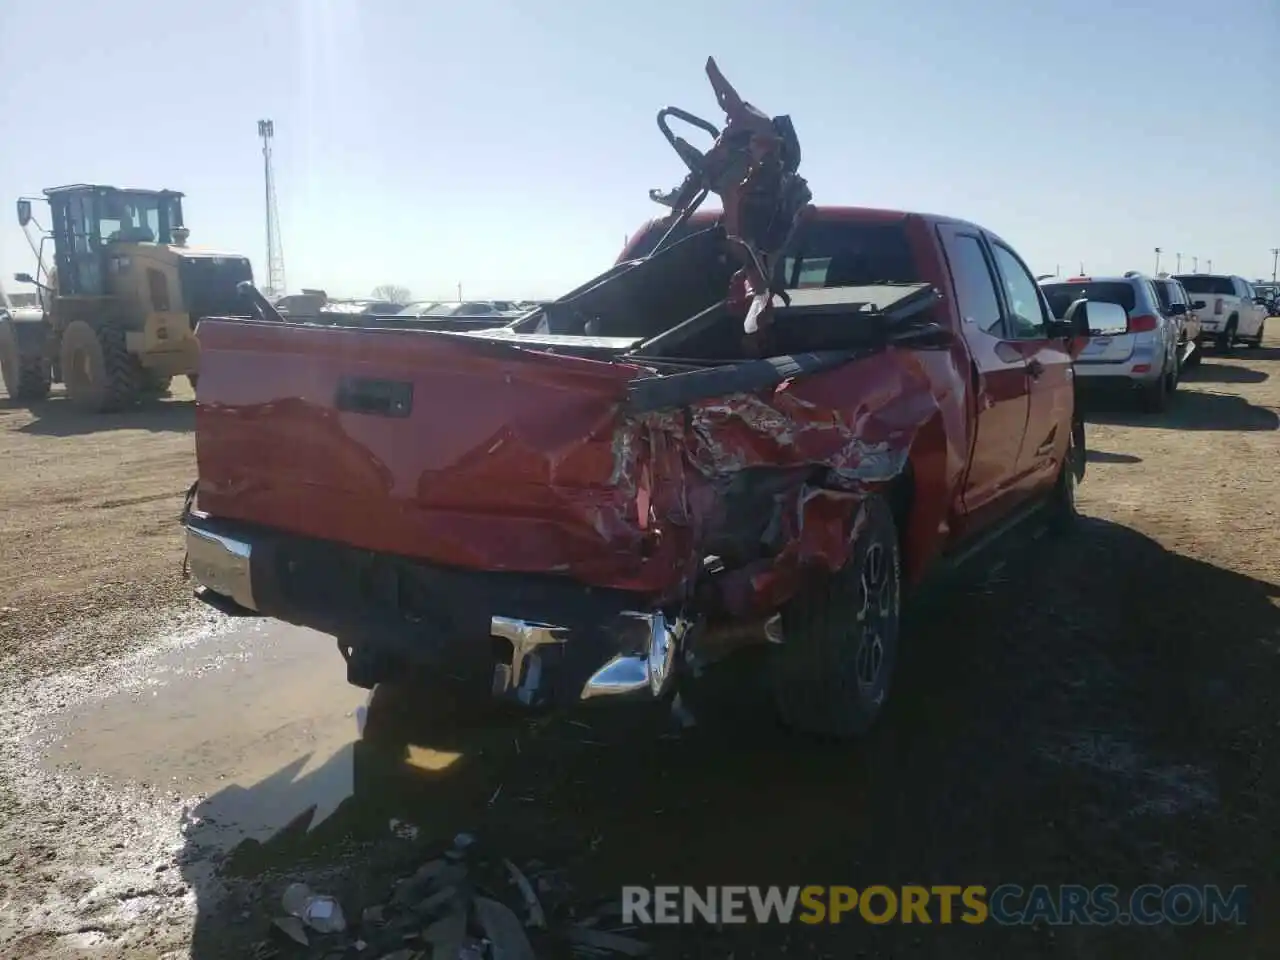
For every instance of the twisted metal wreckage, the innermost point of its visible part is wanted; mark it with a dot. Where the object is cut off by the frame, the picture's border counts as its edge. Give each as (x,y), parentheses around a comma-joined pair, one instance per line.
(757,485)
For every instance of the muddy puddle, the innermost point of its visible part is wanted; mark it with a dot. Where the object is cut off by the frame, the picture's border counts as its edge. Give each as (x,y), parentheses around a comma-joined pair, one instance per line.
(283,760)
(218,717)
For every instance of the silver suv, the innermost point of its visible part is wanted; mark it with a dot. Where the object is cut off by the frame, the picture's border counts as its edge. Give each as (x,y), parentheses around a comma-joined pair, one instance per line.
(1142,356)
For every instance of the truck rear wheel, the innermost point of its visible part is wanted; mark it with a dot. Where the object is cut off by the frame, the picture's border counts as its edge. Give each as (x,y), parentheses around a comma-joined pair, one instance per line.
(25,378)
(1256,342)
(831,672)
(1227,338)
(99,372)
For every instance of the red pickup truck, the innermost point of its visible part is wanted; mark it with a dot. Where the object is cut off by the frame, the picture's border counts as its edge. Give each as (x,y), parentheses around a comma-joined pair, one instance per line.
(582,502)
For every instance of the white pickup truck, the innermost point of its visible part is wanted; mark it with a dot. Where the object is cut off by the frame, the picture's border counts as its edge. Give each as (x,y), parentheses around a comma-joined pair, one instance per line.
(1232,312)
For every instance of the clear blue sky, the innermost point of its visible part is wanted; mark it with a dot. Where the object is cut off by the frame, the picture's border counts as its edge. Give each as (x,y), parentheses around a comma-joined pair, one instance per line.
(511,146)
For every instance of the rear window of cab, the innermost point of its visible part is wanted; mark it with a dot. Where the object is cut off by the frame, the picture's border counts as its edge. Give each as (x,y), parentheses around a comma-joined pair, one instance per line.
(831,253)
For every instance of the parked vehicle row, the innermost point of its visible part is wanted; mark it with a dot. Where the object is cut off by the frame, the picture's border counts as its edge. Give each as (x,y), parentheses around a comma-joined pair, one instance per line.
(1168,321)
(1234,312)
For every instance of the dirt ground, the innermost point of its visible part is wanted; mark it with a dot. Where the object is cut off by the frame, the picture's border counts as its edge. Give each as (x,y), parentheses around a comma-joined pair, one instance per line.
(89,512)
(1101,709)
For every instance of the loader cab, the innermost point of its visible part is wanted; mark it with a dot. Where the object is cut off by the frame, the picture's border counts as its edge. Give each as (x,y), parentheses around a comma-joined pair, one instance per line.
(91,223)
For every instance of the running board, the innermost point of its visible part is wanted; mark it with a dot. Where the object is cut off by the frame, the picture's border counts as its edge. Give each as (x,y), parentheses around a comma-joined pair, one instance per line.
(968,550)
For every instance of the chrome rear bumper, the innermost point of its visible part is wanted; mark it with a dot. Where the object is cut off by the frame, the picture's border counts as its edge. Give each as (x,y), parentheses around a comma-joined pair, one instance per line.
(611,652)
(648,668)
(221,564)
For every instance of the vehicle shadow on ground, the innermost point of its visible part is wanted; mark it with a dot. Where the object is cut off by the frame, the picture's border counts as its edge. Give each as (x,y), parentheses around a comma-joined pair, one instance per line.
(57,418)
(1263,354)
(1223,373)
(1046,727)
(1188,410)
(1102,456)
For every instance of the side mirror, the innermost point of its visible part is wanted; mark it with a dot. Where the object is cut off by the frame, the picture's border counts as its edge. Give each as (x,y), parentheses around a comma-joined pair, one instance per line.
(1177,310)
(1097,318)
(24,278)
(24,212)
(1197,305)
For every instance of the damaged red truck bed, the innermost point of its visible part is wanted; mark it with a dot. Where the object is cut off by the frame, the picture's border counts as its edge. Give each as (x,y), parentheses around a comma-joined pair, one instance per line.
(577,503)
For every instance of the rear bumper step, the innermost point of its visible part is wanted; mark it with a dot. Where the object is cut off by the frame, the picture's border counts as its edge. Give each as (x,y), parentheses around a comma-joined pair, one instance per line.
(538,640)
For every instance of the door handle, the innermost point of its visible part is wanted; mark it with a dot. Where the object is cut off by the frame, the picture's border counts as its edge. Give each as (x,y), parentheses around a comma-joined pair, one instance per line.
(1035,368)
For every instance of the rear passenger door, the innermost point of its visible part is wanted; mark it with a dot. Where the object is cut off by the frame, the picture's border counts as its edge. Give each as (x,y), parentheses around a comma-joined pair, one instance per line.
(998,379)
(1049,370)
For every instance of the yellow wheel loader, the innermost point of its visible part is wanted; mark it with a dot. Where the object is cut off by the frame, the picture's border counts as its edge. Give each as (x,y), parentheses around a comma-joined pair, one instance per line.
(120,305)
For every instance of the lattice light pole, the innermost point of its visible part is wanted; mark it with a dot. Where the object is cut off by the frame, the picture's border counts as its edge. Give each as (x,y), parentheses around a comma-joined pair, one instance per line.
(275,252)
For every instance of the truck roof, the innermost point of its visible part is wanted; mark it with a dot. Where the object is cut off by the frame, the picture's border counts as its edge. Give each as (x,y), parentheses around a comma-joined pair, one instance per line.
(829,214)
(822,212)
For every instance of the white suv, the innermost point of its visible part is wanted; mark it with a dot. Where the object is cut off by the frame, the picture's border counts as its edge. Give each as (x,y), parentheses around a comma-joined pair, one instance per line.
(1233,312)
(1144,355)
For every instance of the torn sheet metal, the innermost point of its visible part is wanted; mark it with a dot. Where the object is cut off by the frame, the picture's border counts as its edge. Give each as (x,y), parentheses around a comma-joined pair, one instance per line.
(771,482)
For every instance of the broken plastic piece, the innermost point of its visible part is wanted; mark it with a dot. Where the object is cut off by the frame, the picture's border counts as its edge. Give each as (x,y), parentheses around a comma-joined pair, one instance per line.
(321,913)
(503,930)
(446,936)
(292,928)
(537,916)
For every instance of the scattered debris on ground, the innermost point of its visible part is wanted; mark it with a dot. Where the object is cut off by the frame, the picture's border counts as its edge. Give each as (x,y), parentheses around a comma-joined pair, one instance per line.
(463,904)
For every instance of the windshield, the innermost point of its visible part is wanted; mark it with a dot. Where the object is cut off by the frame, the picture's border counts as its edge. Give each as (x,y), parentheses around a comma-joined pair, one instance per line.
(1062,295)
(138,217)
(1199,283)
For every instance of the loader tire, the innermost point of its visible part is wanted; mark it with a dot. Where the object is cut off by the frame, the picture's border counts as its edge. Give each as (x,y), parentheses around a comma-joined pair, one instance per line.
(832,670)
(154,384)
(26,379)
(100,374)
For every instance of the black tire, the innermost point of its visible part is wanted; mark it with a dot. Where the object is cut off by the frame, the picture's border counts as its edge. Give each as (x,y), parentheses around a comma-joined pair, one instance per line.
(1155,398)
(26,379)
(193,379)
(1257,341)
(1063,514)
(154,384)
(1196,356)
(99,372)
(831,673)
(1227,338)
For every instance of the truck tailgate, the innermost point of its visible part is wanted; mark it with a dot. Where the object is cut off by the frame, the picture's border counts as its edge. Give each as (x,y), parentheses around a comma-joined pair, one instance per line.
(438,446)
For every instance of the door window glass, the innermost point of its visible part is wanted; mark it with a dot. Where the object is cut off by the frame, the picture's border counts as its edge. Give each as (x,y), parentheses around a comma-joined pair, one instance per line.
(1027,318)
(976,295)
